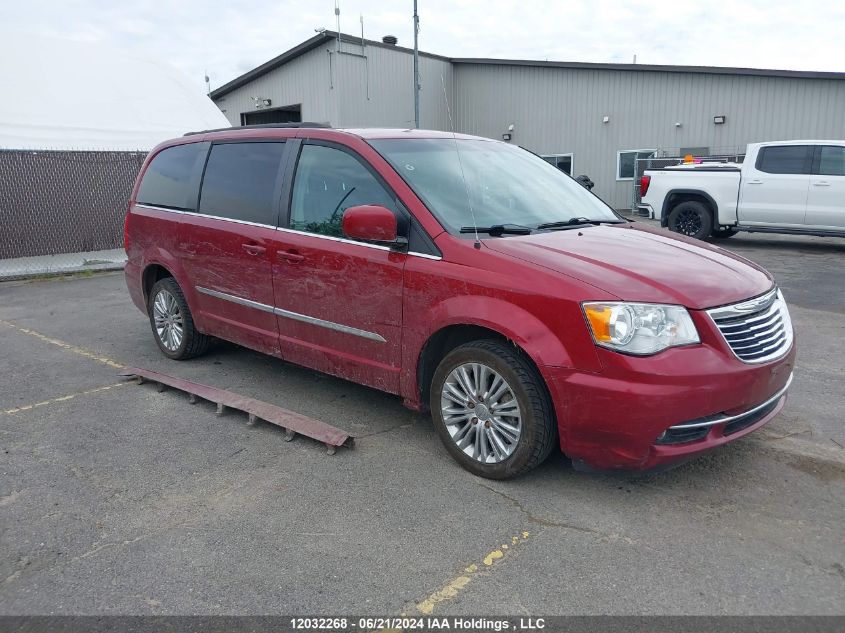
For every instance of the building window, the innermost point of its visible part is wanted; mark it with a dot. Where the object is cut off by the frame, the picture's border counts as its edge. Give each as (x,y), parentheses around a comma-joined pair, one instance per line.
(694,151)
(562,161)
(626,162)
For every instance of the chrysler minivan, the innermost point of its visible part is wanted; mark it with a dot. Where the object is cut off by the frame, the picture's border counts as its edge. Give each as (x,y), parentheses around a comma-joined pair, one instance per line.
(467,276)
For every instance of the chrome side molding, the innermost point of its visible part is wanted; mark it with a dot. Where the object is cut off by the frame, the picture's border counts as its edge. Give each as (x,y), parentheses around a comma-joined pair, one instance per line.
(296,316)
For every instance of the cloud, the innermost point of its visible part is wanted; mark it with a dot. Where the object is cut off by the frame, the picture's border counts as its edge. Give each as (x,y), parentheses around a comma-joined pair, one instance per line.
(230,37)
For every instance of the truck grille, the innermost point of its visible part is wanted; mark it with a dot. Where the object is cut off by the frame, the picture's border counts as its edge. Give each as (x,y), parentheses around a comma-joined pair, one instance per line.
(757,330)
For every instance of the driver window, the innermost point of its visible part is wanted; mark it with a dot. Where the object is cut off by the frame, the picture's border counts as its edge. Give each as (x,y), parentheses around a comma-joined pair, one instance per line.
(328,181)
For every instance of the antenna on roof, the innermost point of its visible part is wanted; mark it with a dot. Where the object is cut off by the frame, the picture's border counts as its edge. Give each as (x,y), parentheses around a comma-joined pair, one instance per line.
(477,243)
(446,99)
(207,83)
(366,59)
(416,68)
(337,17)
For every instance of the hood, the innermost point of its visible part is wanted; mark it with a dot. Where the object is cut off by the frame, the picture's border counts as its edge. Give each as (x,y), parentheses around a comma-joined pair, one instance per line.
(642,264)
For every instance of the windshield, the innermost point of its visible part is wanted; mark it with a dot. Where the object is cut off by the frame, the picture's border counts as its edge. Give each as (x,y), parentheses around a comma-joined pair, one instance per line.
(497,183)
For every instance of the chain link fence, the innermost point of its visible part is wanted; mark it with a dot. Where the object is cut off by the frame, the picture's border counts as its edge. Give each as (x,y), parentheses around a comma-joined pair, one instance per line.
(63,211)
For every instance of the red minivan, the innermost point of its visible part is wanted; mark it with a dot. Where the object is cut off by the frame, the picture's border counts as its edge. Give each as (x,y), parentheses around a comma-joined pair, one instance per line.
(466,275)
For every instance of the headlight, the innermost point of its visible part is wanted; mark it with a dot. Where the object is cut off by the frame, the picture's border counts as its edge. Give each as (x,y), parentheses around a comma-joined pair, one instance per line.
(639,328)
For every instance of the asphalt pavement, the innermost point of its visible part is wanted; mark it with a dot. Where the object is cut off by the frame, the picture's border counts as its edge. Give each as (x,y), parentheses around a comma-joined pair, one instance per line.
(117,499)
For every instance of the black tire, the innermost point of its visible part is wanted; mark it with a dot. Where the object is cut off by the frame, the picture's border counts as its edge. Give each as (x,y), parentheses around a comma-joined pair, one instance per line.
(691,218)
(723,234)
(538,425)
(192,342)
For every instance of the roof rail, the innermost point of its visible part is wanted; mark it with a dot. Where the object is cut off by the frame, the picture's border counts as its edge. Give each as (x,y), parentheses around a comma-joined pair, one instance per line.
(306,124)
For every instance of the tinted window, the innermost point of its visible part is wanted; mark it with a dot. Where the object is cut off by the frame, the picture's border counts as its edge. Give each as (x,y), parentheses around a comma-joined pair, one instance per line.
(832,161)
(240,181)
(329,181)
(172,177)
(783,159)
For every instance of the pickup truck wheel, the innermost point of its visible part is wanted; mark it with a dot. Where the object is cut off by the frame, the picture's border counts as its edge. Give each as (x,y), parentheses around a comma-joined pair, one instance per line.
(722,234)
(492,411)
(692,219)
(173,326)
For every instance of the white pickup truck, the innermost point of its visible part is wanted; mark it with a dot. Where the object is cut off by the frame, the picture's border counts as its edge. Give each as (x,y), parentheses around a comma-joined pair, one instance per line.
(793,187)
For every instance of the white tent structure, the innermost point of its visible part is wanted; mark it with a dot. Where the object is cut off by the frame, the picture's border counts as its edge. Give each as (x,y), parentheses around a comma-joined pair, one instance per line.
(67,95)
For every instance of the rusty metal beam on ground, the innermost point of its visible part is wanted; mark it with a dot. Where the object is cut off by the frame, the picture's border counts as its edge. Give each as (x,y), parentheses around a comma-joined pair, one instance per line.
(290,421)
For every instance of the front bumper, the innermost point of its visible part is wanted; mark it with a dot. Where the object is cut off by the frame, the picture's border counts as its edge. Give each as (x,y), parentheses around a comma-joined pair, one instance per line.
(638,414)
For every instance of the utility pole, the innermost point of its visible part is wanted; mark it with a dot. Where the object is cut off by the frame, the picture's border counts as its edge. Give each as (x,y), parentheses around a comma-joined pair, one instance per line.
(416,68)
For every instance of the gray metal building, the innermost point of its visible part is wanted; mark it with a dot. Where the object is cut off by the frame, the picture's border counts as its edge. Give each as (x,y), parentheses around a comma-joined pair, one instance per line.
(593,119)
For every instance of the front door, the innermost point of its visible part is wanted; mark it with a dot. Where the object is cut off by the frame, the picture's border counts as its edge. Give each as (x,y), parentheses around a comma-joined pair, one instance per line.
(226,245)
(826,199)
(338,301)
(774,189)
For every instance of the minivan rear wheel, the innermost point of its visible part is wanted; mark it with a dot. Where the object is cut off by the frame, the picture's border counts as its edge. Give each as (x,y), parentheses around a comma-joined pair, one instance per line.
(491,410)
(172,323)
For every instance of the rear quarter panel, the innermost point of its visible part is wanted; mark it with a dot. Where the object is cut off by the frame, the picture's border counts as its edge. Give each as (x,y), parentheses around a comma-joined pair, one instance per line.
(721,186)
(154,240)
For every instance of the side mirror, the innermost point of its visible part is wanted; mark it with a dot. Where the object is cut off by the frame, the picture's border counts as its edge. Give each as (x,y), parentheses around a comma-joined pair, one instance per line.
(371,223)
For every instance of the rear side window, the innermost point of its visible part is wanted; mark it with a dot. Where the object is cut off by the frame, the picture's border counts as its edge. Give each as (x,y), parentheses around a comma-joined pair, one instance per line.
(832,160)
(172,178)
(329,181)
(784,159)
(242,182)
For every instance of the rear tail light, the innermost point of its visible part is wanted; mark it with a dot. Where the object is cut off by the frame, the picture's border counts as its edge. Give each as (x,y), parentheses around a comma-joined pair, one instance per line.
(645,181)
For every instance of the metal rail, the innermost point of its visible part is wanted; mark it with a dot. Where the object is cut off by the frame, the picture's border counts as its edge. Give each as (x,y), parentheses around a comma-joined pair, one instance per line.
(291,422)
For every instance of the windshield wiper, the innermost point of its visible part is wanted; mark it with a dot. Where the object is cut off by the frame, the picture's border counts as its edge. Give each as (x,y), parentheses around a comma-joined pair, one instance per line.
(497,230)
(573,222)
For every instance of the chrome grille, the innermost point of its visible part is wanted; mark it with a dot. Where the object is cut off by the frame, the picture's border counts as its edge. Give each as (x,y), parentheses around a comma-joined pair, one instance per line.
(757,330)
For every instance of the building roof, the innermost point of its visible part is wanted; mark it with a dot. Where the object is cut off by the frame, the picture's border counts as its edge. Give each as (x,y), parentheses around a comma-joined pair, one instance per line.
(331,36)
(320,39)
(663,68)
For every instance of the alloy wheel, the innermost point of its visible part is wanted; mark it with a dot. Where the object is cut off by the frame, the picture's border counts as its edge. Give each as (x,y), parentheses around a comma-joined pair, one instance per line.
(688,222)
(481,413)
(169,324)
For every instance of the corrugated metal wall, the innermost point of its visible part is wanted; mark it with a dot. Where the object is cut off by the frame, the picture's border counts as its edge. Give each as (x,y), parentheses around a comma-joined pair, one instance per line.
(560,110)
(553,110)
(373,84)
(305,80)
(378,91)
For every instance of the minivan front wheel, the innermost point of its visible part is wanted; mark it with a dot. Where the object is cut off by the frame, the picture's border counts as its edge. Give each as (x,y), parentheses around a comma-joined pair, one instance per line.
(172,323)
(491,410)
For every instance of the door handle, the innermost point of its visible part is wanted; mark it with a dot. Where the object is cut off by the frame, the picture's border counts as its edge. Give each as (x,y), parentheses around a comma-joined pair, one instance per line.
(754,182)
(821,183)
(291,256)
(254,249)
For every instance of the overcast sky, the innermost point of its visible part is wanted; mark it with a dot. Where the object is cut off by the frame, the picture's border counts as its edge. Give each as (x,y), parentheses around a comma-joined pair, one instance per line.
(233,36)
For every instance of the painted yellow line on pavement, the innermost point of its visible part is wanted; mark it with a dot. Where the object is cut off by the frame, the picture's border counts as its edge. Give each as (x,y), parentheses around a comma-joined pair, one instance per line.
(452,588)
(71,348)
(69,396)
